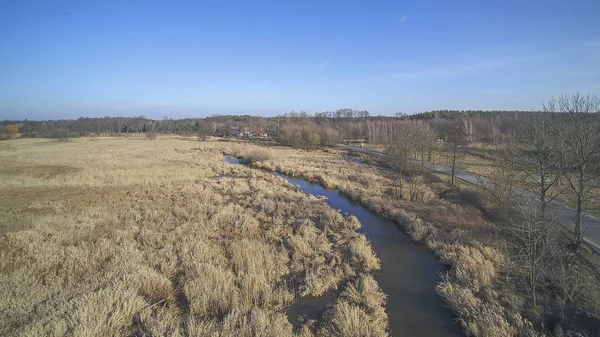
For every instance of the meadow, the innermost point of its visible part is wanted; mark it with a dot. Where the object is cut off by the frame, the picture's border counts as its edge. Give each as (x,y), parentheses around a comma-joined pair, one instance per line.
(131,236)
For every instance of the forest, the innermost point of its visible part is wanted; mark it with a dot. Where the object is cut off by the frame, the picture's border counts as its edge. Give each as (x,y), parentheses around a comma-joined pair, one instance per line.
(298,129)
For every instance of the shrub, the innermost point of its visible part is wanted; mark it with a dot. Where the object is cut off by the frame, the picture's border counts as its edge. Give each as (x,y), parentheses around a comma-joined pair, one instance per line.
(476,317)
(365,292)
(464,197)
(152,134)
(257,155)
(362,255)
(346,319)
(9,131)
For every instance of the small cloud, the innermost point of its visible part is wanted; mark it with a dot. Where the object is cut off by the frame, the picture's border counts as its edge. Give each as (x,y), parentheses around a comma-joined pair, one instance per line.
(402,19)
(324,65)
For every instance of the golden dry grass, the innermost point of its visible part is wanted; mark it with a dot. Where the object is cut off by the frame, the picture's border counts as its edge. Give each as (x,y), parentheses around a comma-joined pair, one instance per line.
(122,236)
(458,234)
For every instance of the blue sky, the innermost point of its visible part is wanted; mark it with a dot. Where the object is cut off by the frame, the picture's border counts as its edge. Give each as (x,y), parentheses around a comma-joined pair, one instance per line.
(66,59)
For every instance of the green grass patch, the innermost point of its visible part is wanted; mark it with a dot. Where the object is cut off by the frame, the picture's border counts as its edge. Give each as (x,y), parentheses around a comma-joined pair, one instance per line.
(458,182)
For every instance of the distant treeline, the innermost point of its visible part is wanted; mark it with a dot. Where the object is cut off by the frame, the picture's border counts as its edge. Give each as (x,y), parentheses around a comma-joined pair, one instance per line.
(298,129)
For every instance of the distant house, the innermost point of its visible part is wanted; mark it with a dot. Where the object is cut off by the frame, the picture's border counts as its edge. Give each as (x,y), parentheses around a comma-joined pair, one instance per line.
(262,133)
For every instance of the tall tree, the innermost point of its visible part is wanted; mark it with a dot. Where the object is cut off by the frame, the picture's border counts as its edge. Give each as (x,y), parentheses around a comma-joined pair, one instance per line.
(580,138)
(537,156)
(454,137)
(424,140)
(399,149)
(469,131)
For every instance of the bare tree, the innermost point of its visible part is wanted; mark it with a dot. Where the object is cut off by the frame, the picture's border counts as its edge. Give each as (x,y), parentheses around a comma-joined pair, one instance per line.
(566,279)
(424,138)
(454,138)
(537,156)
(469,131)
(505,181)
(399,149)
(495,131)
(205,128)
(580,139)
(533,241)
(414,181)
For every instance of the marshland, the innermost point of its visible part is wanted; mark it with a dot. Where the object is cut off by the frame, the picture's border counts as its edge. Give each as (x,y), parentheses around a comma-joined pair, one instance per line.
(299,168)
(155,232)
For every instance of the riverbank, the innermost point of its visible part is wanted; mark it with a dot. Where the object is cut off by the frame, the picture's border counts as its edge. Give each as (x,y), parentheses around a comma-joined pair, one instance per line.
(409,271)
(447,228)
(482,285)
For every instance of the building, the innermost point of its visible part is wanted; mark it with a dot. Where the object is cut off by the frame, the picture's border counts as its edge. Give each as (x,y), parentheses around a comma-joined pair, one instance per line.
(262,133)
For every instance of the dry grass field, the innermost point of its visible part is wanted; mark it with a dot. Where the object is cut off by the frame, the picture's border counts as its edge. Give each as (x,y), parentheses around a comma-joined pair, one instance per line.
(455,224)
(455,230)
(132,236)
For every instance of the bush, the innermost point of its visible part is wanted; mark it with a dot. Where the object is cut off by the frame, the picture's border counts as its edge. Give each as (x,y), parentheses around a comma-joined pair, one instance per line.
(359,311)
(461,196)
(9,131)
(257,155)
(152,134)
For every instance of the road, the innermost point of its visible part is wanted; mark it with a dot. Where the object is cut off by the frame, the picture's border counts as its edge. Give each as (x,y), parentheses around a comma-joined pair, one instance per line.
(563,214)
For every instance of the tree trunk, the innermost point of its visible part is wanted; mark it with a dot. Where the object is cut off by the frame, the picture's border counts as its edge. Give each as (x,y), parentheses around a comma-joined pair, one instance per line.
(533,266)
(543,196)
(579,214)
(422,158)
(533,290)
(453,164)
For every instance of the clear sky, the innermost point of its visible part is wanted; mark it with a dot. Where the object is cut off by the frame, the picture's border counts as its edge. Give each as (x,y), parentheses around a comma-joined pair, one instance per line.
(66,59)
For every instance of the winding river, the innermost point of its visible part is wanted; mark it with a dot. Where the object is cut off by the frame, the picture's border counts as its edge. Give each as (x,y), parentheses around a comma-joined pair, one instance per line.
(409,272)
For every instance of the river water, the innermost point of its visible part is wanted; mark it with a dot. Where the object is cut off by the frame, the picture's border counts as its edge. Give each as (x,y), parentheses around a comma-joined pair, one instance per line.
(409,272)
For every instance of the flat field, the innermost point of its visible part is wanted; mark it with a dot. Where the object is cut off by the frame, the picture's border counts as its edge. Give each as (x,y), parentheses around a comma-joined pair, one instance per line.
(132,236)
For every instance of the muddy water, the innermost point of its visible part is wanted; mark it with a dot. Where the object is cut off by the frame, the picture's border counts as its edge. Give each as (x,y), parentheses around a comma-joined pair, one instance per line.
(409,272)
